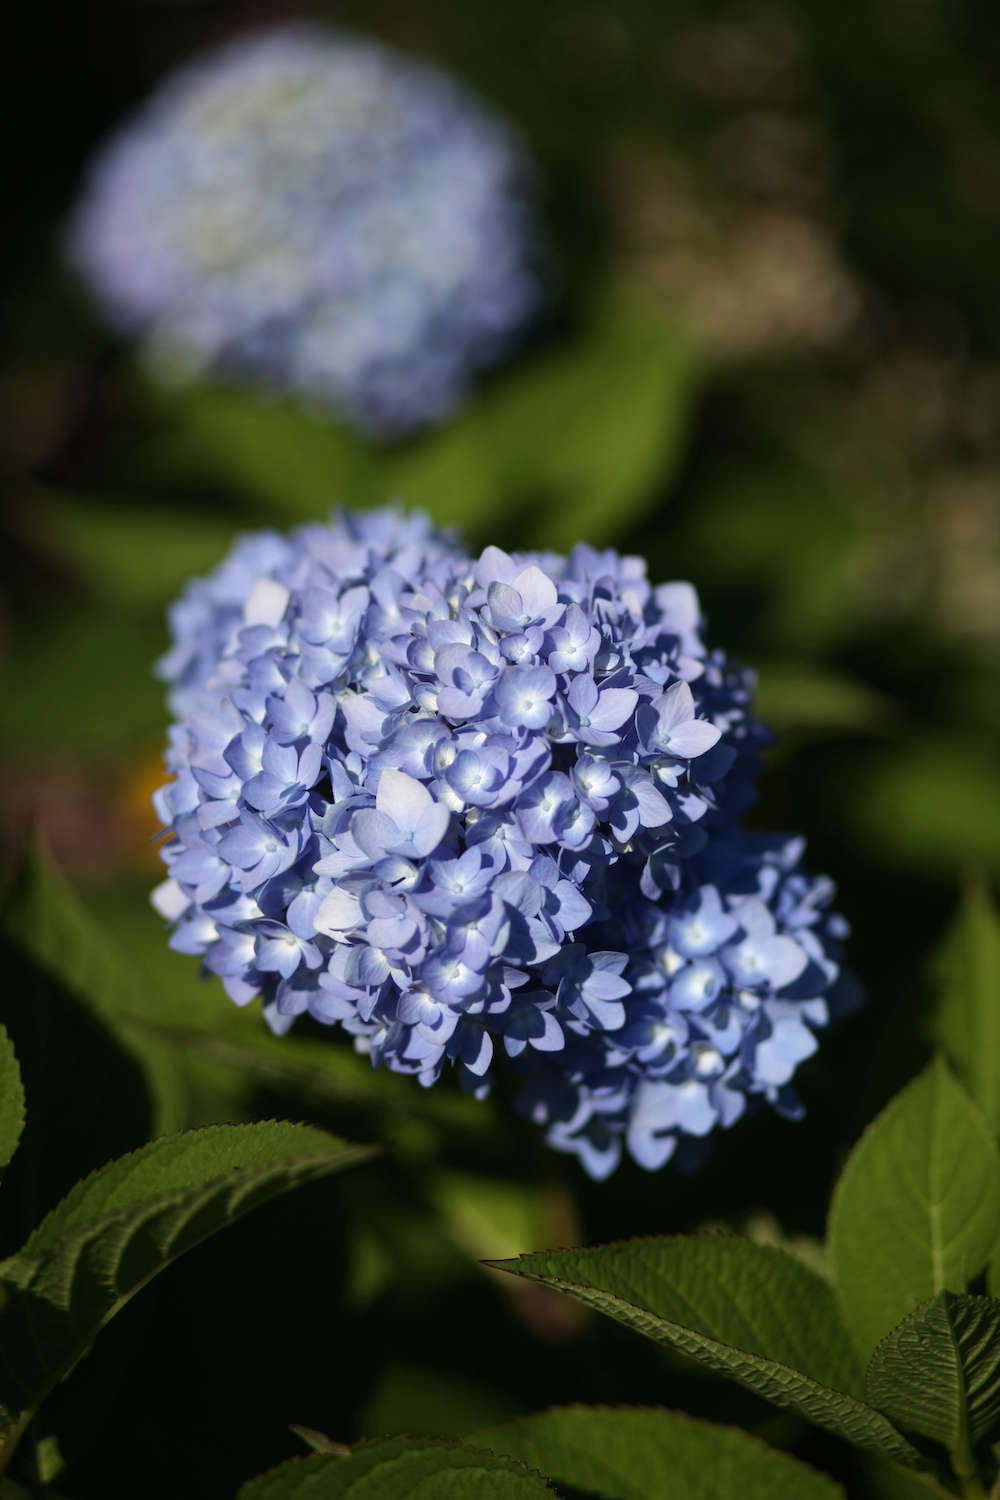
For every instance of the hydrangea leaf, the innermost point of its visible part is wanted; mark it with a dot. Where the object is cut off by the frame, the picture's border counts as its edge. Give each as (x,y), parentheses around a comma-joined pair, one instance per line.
(623,1454)
(132,555)
(420,1398)
(66,663)
(938,1372)
(158,1007)
(921,804)
(754,1314)
(486,1216)
(966,1019)
(797,557)
(43,915)
(276,453)
(618,396)
(816,701)
(173,1004)
(401,1468)
(917,1207)
(117,1228)
(11,1100)
(76,962)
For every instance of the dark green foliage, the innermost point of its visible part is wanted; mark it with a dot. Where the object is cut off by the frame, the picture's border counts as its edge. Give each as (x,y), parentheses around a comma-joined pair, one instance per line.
(938,1373)
(398,1468)
(966,1018)
(742,1310)
(626,1454)
(11,1100)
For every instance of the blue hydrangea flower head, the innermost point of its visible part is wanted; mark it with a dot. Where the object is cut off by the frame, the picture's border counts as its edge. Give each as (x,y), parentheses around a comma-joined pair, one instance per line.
(484,813)
(317,212)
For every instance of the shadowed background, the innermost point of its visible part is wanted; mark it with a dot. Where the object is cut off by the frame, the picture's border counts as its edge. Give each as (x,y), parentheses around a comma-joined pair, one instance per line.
(772,366)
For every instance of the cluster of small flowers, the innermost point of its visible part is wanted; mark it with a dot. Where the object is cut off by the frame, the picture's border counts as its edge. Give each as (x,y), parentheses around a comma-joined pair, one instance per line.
(482,808)
(318,212)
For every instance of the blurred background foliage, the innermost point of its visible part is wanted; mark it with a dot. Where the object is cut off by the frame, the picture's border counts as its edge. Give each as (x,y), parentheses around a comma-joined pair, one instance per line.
(772,366)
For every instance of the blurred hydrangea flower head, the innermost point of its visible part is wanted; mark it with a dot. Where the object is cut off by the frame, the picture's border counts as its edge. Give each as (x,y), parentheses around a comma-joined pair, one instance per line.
(484,812)
(320,213)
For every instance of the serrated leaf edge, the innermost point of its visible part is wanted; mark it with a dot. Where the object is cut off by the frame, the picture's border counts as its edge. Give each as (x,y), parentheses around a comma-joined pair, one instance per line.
(728,1235)
(922,1307)
(23,1270)
(352,1150)
(106,1223)
(894,1444)
(457,1444)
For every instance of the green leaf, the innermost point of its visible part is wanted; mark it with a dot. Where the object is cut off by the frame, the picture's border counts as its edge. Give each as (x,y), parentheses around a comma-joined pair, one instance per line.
(421,1398)
(564,444)
(568,446)
(85,681)
(594,428)
(120,1226)
(808,699)
(296,461)
(917,1207)
(926,804)
(44,919)
(887,1481)
(938,1372)
(43,915)
(69,1055)
(791,546)
(132,554)
(966,1019)
(489,1216)
(400,1469)
(754,1314)
(631,1454)
(11,1100)
(175,1004)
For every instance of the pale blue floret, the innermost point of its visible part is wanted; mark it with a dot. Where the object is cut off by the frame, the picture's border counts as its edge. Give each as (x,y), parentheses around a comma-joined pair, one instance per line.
(318,213)
(483,813)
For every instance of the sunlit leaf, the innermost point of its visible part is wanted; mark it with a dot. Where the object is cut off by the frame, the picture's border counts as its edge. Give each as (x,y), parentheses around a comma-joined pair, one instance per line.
(917,1207)
(567,443)
(743,1310)
(295,462)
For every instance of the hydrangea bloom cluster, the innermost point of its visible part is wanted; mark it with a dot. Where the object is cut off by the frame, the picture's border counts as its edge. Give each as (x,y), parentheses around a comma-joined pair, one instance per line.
(316,211)
(485,812)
